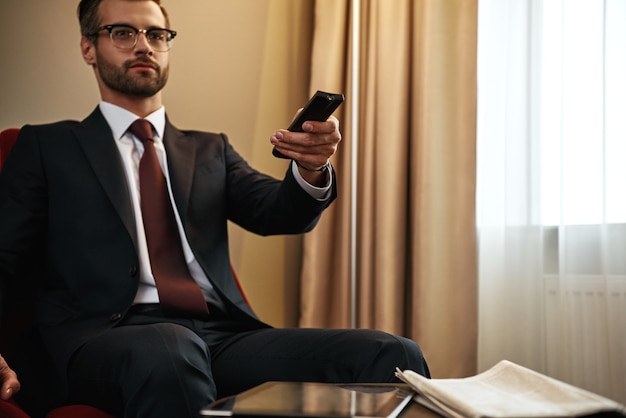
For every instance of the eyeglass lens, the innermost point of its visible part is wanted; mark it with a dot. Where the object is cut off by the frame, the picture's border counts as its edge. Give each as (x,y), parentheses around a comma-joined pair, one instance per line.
(126,37)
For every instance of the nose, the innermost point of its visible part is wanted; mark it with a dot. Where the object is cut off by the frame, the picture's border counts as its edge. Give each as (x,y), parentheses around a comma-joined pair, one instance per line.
(142,43)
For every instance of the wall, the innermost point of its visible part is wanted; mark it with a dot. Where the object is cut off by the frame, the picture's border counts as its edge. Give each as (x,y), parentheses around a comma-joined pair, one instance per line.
(238,66)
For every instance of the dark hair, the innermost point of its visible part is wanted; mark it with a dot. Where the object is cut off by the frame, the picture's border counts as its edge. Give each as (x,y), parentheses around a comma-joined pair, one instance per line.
(90,21)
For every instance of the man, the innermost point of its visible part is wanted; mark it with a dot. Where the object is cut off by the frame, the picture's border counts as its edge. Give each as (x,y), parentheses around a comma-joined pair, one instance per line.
(73,193)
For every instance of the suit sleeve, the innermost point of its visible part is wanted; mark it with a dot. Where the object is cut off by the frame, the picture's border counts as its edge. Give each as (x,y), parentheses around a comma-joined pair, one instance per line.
(23,197)
(268,206)
(22,211)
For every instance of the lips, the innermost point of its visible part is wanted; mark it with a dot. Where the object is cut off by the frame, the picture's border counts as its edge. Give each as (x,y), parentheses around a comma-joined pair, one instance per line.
(142,65)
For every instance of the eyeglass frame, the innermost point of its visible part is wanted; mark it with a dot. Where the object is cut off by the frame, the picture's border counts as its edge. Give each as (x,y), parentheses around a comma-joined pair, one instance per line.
(110,28)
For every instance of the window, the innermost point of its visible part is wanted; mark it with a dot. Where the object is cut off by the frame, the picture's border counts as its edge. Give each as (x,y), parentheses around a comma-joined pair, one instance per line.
(551,189)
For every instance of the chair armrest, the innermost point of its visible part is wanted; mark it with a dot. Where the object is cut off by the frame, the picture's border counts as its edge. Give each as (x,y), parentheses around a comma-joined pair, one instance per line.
(10,409)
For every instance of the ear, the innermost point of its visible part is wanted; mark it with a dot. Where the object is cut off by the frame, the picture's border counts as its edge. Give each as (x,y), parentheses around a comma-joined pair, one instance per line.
(88,50)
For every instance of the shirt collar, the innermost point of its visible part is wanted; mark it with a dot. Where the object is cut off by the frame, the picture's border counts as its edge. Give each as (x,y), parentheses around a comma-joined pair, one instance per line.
(120,119)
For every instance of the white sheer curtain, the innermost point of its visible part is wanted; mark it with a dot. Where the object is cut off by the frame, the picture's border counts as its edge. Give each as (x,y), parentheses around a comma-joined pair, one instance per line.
(552,189)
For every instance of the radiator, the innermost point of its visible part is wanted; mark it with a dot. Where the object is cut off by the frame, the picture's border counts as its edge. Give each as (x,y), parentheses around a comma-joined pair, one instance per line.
(585,332)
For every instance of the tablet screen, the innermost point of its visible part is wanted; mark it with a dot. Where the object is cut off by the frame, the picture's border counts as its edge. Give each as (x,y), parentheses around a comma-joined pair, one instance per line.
(286,399)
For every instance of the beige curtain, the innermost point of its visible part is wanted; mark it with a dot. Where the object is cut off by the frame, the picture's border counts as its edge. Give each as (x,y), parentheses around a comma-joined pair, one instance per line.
(416,268)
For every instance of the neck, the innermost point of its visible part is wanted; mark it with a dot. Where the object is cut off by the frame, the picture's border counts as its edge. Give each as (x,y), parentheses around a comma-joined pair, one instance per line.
(140,106)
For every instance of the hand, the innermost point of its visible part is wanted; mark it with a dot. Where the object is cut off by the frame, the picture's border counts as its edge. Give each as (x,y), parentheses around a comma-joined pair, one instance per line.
(8,379)
(312,148)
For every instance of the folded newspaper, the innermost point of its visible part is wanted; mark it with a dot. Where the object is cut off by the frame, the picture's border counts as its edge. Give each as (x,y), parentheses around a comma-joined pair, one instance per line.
(507,390)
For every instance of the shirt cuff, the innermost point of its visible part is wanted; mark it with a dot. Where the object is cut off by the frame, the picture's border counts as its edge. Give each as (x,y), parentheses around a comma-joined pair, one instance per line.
(318,193)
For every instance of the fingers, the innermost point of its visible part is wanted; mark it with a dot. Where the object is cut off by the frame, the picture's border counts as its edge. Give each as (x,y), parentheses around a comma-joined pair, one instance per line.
(301,146)
(314,146)
(8,378)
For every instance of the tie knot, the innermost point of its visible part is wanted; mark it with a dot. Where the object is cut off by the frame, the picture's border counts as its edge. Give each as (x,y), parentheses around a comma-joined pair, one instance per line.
(142,129)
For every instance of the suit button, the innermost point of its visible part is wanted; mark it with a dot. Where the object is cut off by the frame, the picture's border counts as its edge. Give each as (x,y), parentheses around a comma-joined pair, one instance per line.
(133,270)
(116,317)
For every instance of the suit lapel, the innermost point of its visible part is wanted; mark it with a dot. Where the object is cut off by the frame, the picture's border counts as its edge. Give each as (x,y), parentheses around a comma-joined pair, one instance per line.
(96,139)
(181,162)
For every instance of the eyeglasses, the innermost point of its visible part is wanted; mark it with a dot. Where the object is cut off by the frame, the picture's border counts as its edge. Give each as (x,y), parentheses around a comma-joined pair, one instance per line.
(125,36)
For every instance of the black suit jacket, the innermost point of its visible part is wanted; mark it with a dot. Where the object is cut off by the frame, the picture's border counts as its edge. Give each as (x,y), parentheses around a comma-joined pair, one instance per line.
(65,205)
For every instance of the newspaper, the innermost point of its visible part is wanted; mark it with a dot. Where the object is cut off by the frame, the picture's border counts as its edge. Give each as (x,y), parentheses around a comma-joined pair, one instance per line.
(507,390)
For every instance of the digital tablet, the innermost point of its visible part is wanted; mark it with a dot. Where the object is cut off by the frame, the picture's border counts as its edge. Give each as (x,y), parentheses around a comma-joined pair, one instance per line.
(290,399)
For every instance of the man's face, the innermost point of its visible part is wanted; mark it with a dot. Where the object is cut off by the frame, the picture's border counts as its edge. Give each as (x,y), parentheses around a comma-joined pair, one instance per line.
(137,72)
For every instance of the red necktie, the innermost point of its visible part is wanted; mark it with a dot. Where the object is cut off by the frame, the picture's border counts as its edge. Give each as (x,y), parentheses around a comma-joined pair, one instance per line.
(178,291)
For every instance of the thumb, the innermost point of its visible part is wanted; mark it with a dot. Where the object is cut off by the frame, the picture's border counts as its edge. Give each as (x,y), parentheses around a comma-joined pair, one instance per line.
(6,393)
(10,384)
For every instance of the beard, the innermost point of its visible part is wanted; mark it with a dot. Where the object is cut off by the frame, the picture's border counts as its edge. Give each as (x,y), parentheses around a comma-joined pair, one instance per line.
(145,84)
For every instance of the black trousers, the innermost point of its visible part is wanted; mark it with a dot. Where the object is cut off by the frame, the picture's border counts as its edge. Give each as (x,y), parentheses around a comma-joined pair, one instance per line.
(155,366)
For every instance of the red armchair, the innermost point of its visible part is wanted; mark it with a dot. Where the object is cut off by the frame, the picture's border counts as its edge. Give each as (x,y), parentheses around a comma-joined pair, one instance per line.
(7,139)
